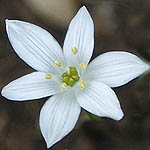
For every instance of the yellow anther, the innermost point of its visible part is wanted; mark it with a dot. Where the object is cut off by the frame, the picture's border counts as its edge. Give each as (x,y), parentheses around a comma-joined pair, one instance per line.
(63,86)
(74,50)
(48,76)
(58,63)
(83,84)
(83,65)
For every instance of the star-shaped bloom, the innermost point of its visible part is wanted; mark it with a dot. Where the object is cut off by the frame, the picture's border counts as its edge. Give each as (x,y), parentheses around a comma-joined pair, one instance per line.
(68,75)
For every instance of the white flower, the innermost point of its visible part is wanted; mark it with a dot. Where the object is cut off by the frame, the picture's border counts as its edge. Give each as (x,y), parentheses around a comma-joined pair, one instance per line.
(67,75)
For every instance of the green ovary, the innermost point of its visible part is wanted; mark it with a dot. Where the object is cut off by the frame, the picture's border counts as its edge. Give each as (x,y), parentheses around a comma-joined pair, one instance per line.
(70,77)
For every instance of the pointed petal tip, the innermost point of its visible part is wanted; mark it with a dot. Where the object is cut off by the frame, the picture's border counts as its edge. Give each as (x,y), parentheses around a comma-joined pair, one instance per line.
(3,92)
(48,145)
(11,22)
(8,24)
(84,9)
(119,116)
(7,21)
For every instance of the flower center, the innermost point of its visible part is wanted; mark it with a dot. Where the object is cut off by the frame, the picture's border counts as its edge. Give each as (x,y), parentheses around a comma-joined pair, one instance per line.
(70,77)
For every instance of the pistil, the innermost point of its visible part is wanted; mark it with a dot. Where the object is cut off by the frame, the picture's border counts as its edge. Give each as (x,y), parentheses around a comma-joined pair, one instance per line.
(70,77)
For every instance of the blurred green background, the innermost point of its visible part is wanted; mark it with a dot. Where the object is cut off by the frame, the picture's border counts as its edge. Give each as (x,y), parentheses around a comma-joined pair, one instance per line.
(119,25)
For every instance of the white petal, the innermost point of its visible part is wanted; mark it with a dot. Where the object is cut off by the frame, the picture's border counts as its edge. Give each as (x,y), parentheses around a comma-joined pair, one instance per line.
(31,86)
(100,100)
(116,68)
(58,117)
(34,45)
(80,35)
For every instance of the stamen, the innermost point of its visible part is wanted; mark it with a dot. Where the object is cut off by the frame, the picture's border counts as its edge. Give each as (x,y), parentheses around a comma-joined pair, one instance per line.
(63,86)
(83,65)
(58,63)
(74,50)
(83,84)
(48,76)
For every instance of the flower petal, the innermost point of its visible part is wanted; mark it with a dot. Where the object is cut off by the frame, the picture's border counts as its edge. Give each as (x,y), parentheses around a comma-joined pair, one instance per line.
(58,117)
(116,68)
(31,86)
(100,100)
(34,45)
(80,35)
